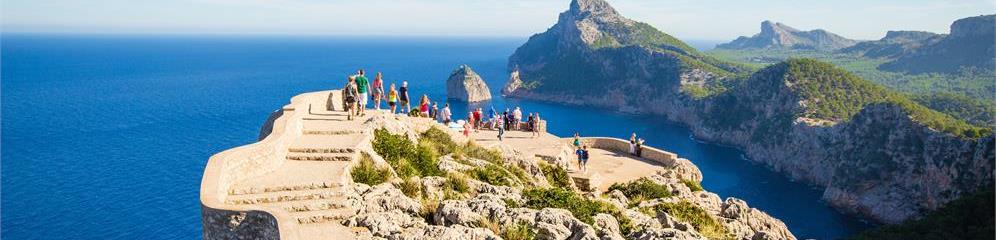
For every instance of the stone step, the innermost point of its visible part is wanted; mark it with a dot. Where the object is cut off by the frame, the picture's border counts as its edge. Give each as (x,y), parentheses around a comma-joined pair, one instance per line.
(276,197)
(332,132)
(309,206)
(297,187)
(344,157)
(321,150)
(324,216)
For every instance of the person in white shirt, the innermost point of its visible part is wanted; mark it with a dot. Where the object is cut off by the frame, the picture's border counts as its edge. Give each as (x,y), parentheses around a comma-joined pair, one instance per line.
(517,114)
(446,114)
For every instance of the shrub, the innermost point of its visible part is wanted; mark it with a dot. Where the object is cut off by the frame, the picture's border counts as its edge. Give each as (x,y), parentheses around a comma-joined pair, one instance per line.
(556,175)
(493,174)
(583,209)
(474,151)
(411,187)
(692,214)
(693,185)
(405,157)
(518,231)
(429,206)
(368,172)
(457,183)
(641,189)
(968,217)
(439,139)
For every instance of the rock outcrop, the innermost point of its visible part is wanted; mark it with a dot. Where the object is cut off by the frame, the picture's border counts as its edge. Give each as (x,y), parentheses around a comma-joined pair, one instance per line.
(800,117)
(971,44)
(465,85)
(778,35)
(894,44)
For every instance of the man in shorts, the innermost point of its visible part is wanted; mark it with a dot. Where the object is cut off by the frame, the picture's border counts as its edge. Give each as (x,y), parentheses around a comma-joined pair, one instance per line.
(362,87)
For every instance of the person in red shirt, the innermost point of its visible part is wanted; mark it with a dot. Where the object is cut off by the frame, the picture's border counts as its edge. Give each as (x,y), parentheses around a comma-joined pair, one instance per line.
(478,119)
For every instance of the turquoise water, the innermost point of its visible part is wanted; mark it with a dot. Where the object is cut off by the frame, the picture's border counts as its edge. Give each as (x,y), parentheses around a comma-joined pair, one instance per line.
(106,137)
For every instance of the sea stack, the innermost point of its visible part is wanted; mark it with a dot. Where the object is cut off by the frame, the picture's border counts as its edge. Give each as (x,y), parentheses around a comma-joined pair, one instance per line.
(514,82)
(465,85)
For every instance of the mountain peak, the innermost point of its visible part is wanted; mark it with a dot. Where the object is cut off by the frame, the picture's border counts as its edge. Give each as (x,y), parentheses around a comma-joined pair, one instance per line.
(594,7)
(771,28)
(778,35)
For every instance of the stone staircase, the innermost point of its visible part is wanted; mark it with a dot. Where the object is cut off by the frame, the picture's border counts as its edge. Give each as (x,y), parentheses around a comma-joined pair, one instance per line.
(308,204)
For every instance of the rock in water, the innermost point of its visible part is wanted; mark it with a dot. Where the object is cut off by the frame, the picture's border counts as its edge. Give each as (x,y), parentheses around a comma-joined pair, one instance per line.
(514,83)
(465,85)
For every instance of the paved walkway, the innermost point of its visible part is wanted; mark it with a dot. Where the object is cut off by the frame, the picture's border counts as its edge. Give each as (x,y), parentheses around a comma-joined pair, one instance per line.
(604,167)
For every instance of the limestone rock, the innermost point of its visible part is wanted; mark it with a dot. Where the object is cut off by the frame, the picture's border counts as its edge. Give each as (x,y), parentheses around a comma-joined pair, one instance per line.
(514,83)
(607,227)
(385,197)
(465,85)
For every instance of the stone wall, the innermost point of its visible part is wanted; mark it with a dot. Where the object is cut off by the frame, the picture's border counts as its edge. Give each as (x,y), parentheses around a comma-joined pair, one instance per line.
(680,166)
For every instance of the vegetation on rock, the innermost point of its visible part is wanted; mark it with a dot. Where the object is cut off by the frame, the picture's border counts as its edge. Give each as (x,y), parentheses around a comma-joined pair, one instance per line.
(518,231)
(969,217)
(692,185)
(583,209)
(641,189)
(556,175)
(367,172)
(688,212)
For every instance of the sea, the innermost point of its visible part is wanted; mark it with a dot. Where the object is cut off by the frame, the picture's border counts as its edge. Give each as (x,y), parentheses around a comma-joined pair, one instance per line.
(106,136)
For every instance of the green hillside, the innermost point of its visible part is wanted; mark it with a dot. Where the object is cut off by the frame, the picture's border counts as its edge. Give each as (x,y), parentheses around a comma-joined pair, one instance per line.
(969,217)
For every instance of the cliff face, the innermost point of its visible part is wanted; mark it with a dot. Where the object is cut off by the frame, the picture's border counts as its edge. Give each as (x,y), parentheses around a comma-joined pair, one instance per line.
(894,44)
(972,44)
(809,120)
(778,35)
(465,85)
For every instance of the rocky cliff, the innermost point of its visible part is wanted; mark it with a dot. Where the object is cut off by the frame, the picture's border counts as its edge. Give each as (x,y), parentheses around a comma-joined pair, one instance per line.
(971,44)
(801,117)
(894,44)
(778,35)
(465,85)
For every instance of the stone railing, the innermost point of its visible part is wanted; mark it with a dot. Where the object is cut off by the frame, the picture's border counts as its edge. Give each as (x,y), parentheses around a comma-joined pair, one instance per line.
(224,221)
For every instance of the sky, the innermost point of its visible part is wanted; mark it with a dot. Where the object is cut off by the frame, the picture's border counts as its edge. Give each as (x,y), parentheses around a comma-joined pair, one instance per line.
(686,19)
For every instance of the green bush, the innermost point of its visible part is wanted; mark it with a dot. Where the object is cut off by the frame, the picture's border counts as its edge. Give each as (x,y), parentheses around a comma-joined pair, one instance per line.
(368,173)
(582,209)
(693,185)
(456,182)
(641,189)
(493,174)
(688,212)
(411,188)
(439,140)
(556,175)
(518,231)
(405,157)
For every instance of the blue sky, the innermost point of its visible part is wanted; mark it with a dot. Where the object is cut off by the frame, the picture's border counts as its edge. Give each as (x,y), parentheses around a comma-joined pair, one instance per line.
(687,19)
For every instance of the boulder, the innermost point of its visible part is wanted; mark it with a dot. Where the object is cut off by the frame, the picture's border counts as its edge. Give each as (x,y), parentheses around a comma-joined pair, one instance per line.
(465,85)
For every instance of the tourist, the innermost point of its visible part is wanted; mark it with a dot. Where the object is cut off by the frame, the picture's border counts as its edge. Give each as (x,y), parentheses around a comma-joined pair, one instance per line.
(392,99)
(505,120)
(423,106)
(577,140)
(467,125)
(494,117)
(362,87)
(536,125)
(584,158)
(517,114)
(529,123)
(478,119)
(501,130)
(446,114)
(378,90)
(434,111)
(632,144)
(639,147)
(349,95)
(403,94)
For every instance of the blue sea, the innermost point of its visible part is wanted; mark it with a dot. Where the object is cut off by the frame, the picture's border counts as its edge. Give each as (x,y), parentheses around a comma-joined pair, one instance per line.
(106,136)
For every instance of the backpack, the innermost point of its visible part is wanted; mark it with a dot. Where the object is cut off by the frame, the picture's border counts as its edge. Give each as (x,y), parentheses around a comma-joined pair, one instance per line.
(349,93)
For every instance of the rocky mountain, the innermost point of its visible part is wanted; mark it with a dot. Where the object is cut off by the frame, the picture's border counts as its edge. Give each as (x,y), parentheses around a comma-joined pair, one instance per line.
(876,152)
(465,85)
(894,44)
(971,44)
(778,35)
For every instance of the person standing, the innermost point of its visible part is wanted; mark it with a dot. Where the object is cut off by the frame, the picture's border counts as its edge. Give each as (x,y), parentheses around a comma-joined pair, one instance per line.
(349,95)
(423,106)
(577,140)
(639,147)
(518,118)
(378,90)
(532,125)
(506,119)
(494,117)
(362,87)
(403,94)
(584,159)
(478,119)
(501,130)
(392,99)
(446,114)
(632,144)
(466,125)
(434,112)
(536,125)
